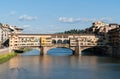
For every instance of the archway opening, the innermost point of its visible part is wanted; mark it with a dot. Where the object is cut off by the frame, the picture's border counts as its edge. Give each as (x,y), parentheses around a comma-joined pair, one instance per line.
(33,52)
(66,42)
(96,51)
(88,51)
(59,42)
(60,52)
(53,41)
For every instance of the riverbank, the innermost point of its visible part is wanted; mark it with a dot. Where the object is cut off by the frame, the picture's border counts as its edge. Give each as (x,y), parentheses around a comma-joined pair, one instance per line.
(4,51)
(6,57)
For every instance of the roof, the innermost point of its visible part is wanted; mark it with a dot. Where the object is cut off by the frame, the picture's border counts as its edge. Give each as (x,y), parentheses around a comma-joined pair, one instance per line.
(18,28)
(115,30)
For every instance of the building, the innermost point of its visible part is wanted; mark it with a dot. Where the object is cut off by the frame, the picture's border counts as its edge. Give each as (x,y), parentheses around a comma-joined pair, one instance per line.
(36,40)
(101,27)
(99,24)
(114,41)
(5,30)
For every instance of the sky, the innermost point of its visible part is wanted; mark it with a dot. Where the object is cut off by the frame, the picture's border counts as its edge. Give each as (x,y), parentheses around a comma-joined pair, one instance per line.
(51,16)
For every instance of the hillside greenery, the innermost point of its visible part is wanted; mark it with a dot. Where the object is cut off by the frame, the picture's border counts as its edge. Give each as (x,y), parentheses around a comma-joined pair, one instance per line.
(75,31)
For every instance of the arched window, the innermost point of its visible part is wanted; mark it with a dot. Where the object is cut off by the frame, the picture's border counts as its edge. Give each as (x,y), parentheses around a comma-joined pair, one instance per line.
(59,42)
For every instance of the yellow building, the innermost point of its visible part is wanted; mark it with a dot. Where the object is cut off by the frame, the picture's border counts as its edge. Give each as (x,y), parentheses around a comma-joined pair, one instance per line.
(45,41)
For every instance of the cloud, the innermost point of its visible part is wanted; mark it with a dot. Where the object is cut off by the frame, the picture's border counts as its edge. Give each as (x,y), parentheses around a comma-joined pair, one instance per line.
(74,20)
(26,26)
(27,18)
(64,19)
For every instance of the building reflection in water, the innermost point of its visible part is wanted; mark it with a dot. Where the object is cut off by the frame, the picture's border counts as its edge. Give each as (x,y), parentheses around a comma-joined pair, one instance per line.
(14,67)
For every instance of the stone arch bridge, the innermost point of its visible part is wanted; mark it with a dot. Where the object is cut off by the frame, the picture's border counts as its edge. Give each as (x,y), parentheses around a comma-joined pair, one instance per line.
(75,49)
(45,42)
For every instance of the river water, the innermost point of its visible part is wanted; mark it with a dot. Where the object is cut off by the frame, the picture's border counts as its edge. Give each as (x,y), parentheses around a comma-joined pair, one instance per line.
(60,64)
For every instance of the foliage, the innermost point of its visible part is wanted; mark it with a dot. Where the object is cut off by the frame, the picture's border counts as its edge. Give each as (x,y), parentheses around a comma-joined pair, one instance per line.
(76,31)
(6,57)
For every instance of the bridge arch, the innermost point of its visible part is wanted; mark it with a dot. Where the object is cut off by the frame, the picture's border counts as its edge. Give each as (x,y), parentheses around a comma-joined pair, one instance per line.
(54,42)
(45,50)
(95,50)
(59,41)
(60,51)
(87,51)
(37,49)
(66,41)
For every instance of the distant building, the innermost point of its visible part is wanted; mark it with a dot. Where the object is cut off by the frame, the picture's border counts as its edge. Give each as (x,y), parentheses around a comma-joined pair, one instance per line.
(99,24)
(5,30)
(114,40)
(101,27)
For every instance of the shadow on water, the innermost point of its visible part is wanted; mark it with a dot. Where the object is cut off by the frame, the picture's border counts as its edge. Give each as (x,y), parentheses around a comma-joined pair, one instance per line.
(95,51)
(88,54)
(60,52)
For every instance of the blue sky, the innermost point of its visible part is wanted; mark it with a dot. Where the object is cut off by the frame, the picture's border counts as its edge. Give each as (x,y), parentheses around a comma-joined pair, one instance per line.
(50,16)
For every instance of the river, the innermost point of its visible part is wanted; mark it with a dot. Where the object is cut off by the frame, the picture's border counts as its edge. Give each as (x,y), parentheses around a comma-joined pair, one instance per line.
(60,64)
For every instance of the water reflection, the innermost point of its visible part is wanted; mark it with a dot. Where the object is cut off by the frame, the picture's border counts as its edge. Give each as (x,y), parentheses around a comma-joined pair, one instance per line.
(15,67)
(47,66)
(60,67)
(14,63)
